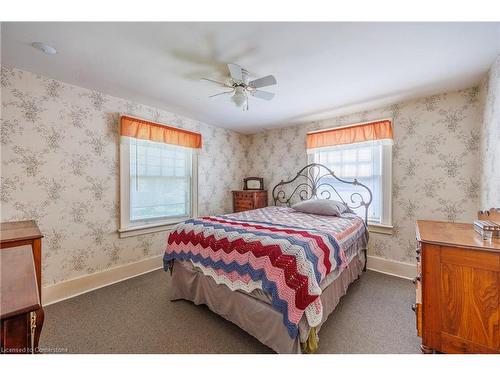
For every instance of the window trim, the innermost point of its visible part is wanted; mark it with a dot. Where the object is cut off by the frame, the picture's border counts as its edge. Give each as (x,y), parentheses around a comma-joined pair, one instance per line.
(386,161)
(380,228)
(385,224)
(128,229)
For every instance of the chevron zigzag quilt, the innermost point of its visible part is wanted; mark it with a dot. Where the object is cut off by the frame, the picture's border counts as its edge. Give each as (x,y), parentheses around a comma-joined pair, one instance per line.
(285,253)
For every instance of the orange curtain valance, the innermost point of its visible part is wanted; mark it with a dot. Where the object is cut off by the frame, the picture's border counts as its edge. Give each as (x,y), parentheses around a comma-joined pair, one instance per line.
(352,134)
(141,129)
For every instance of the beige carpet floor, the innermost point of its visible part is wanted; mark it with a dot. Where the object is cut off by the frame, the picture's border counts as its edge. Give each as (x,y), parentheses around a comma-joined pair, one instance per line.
(135,316)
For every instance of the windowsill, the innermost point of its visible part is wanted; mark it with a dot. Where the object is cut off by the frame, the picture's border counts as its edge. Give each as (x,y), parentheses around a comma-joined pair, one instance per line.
(380,228)
(149,228)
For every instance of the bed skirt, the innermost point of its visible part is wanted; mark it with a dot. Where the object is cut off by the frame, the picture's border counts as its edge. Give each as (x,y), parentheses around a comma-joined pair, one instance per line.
(254,316)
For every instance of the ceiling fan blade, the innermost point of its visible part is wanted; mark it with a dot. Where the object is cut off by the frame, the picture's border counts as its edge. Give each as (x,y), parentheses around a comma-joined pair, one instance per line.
(263,94)
(262,82)
(222,93)
(235,72)
(217,82)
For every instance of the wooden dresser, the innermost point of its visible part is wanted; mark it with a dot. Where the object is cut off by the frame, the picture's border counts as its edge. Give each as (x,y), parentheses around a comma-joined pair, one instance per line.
(19,301)
(19,233)
(244,200)
(14,235)
(458,289)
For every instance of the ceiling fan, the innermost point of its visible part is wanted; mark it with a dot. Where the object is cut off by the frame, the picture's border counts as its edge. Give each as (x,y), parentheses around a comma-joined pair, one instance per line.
(241,87)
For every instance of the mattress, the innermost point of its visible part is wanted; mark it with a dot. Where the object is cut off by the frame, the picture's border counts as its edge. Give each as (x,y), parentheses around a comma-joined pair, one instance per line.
(275,255)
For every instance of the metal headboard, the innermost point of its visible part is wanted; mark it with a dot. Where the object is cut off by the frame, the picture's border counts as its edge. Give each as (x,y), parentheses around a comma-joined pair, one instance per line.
(312,183)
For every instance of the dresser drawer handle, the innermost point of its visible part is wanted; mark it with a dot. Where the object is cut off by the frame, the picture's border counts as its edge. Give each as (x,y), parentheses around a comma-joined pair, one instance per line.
(417,250)
(414,307)
(417,279)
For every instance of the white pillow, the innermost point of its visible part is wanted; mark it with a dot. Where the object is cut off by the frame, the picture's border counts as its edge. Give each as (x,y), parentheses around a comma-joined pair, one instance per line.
(321,207)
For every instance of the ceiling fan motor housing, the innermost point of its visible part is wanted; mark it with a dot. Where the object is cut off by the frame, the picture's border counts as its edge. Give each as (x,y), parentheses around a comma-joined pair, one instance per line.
(241,86)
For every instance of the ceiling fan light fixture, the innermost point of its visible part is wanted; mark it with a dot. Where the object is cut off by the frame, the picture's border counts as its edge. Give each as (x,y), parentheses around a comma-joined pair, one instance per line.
(239,98)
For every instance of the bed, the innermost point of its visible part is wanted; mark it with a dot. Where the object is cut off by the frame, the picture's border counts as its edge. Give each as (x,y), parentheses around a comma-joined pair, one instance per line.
(275,272)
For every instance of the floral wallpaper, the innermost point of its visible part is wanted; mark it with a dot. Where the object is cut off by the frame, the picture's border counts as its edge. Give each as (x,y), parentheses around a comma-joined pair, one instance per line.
(435,162)
(59,160)
(490,139)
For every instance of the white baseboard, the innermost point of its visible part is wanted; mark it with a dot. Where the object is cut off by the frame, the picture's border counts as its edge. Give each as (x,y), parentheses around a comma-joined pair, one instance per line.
(74,287)
(392,267)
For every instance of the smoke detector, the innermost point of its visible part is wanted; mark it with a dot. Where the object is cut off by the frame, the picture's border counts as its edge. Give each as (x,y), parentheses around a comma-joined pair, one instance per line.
(49,50)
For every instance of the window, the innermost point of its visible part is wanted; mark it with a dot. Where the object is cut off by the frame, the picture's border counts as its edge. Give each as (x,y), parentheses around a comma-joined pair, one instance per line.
(158,185)
(368,161)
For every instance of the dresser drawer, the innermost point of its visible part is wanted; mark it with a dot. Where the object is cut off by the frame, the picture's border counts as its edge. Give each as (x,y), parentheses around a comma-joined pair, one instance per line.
(240,195)
(418,310)
(417,307)
(243,204)
(418,280)
(249,200)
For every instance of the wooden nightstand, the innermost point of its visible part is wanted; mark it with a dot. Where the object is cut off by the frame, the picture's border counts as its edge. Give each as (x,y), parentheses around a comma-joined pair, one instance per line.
(244,200)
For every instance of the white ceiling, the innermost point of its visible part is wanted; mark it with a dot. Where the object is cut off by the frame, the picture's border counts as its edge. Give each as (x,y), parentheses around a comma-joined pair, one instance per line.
(322,69)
